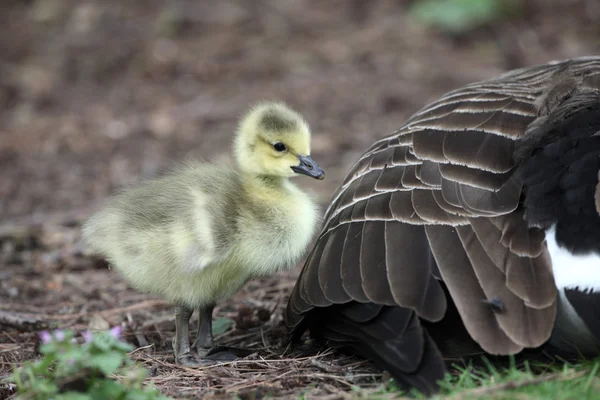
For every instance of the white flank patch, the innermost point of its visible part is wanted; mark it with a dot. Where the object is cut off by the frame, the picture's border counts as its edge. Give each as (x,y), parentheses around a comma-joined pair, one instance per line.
(573,271)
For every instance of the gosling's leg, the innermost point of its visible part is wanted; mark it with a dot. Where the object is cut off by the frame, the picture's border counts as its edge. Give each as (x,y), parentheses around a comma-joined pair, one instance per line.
(181,341)
(204,344)
(204,337)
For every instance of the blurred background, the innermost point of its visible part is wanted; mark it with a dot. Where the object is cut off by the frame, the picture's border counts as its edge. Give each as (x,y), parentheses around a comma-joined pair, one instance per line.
(95,95)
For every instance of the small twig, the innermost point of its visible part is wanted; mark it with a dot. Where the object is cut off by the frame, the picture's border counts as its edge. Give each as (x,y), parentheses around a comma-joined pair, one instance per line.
(332,369)
(264,341)
(156,321)
(105,313)
(141,348)
(9,349)
(332,377)
(336,396)
(113,311)
(141,339)
(21,321)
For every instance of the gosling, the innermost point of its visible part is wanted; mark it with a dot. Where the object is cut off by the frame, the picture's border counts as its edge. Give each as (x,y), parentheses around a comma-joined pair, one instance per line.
(196,235)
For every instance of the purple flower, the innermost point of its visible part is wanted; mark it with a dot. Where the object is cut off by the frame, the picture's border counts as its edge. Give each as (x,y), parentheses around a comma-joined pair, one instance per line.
(45,337)
(59,335)
(116,331)
(87,336)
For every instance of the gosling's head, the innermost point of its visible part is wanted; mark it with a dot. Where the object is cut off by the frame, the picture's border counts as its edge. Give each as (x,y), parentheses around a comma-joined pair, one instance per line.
(273,140)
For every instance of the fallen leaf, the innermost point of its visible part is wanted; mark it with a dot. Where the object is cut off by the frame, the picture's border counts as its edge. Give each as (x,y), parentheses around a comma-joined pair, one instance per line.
(221,325)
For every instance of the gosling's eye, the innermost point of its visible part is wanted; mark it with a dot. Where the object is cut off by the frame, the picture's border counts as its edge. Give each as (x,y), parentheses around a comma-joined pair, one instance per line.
(279,146)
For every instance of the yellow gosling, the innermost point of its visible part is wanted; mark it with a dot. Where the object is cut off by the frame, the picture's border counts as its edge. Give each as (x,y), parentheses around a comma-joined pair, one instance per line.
(198,234)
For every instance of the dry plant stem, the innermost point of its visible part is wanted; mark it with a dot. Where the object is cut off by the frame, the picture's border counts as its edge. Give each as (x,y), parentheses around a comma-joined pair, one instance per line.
(149,346)
(265,374)
(45,318)
(22,322)
(326,367)
(141,339)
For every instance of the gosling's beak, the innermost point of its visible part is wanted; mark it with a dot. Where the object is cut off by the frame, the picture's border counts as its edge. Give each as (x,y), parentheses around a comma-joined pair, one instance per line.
(308,167)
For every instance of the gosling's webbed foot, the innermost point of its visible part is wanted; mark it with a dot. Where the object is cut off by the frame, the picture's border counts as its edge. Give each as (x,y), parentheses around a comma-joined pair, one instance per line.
(204,344)
(188,360)
(225,354)
(181,343)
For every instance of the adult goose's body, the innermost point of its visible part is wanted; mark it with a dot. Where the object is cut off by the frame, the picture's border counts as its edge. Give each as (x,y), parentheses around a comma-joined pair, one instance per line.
(476,220)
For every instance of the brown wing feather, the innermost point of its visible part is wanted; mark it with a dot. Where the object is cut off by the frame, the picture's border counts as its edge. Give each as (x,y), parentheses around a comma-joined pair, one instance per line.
(530,278)
(449,208)
(472,176)
(431,174)
(402,208)
(483,202)
(414,288)
(389,179)
(479,149)
(372,264)
(527,327)
(523,241)
(429,210)
(311,290)
(390,336)
(429,145)
(378,208)
(330,278)
(466,292)
(350,267)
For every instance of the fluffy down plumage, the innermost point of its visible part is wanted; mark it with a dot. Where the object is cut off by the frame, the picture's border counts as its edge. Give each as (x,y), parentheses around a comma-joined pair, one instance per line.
(197,234)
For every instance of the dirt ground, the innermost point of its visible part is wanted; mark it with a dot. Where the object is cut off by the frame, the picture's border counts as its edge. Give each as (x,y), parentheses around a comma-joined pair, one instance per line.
(95,95)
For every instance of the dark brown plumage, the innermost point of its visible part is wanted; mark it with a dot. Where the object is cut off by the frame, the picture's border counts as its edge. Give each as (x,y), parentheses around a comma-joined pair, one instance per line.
(432,217)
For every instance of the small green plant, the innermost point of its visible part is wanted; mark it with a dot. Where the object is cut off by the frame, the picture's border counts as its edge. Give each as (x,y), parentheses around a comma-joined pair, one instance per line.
(84,369)
(460,16)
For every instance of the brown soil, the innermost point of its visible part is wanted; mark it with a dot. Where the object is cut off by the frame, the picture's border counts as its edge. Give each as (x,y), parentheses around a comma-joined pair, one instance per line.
(97,95)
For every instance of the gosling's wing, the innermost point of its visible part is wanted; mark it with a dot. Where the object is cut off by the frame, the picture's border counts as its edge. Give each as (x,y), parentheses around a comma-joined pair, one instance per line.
(438,201)
(182,218)
(135,223)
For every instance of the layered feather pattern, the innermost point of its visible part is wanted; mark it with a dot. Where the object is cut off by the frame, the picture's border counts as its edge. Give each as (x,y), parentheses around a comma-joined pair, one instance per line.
(434,213)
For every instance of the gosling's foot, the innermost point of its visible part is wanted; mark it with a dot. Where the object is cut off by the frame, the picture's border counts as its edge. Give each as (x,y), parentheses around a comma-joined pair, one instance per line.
(188,360)
(185,357)
(222,353)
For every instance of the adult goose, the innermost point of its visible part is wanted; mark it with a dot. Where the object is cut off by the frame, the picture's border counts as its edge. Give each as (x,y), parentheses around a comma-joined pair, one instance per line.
(477,220)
